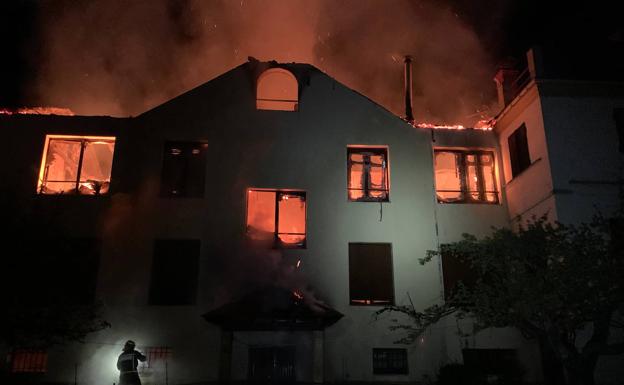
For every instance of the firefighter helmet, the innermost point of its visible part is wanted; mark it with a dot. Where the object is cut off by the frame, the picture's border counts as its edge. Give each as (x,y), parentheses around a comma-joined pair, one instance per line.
(129,345)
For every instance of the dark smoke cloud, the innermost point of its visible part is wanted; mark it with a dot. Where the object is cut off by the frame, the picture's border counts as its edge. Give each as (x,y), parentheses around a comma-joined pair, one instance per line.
(121,58)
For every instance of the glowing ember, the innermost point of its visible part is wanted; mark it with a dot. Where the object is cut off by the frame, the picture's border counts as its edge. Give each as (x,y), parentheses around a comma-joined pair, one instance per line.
(483,125)
(297,294)
(38,111)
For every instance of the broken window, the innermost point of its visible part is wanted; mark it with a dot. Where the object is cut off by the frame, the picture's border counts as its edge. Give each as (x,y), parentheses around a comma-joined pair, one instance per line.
(518,151)
(389,361)
(174,272)
(28,361)
(184,169)
(76,165)
(370,274)
(465,176)
(277,89)
(367,174)
(278,216)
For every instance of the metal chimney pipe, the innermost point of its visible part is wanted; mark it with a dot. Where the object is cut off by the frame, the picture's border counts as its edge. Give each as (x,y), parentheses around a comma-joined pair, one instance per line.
(409,114)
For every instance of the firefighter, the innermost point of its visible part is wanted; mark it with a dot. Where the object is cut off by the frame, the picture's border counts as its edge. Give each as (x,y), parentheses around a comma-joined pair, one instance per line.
(127,363)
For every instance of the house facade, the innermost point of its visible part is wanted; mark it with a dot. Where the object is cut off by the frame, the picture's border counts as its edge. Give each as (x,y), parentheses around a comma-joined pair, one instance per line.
(249,228)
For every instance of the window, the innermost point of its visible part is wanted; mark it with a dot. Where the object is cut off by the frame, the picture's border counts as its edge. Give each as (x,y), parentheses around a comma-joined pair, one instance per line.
(158,356)
(277,89)
(277,216)
(389,361)
(367,175)
(76,165)
(370,274)
(66,273)
(174,272)
(465,176)
(518,151)
(618,115)
(454,271)
(28,361)
(184,169)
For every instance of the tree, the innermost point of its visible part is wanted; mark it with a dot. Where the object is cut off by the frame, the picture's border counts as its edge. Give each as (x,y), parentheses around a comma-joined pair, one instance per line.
(553,282)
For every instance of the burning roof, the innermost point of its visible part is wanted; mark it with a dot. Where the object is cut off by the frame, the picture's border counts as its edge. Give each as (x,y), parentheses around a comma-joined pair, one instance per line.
(37,111)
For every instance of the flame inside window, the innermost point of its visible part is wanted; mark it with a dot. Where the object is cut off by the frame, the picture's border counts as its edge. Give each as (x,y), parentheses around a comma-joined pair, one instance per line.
(28,361)
(465,176)
(367,174)
(76,165)
(277,215)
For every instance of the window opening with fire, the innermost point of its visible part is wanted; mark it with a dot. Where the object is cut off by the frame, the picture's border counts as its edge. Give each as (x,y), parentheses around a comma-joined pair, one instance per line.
(277,89)
(157,357)
(367,174)
(371,279)
(465,176)
(278,216)
(76,165)
(28,361)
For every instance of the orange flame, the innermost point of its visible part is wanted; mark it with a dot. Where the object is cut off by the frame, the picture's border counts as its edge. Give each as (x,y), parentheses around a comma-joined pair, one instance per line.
(483,125)
(37,111)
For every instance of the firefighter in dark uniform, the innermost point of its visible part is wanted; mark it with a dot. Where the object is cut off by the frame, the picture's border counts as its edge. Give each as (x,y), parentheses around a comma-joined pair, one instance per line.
(128,363)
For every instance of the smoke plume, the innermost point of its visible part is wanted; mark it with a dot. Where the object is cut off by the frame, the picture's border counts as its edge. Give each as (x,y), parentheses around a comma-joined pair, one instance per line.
(121,58)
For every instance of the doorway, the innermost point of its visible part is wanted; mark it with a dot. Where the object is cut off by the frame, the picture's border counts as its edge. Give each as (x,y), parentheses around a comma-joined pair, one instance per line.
(274,364)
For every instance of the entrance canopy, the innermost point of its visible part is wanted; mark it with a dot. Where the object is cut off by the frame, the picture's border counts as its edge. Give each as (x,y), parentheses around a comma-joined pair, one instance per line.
(273,308)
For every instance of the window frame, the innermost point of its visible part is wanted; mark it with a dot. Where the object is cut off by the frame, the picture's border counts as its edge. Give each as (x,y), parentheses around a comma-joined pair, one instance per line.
(520,157)
(277,243)
(156,285)
(372,302)
(269,104)
(466,197)
(83,139)
(35,361)
(185,145)
(377,370)
(375,150)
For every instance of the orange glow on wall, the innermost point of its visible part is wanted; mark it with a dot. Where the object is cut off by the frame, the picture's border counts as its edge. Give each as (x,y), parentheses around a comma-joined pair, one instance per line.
(76,165)
(277,89)
(277,215)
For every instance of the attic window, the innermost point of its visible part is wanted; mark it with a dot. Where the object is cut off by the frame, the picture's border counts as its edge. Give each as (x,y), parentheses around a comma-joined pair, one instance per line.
(277,89)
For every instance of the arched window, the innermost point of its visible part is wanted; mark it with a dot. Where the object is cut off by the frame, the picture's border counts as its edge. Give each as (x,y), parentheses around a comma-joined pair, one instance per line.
(277,89)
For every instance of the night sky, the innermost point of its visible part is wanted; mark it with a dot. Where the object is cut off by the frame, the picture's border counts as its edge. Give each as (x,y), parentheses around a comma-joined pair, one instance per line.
(121,58)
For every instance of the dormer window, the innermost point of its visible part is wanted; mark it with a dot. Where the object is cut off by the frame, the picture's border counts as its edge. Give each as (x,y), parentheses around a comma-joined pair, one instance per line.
(277,89)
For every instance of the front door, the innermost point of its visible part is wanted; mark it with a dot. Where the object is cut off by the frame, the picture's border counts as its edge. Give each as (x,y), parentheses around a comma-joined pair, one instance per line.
(273,364)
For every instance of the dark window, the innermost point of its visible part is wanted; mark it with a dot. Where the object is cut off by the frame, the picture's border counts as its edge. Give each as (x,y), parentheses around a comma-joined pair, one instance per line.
(390,361)
(367,174)
(184,169)
(453,271)
(465,176)
(66,271)
(28,361)
(277,216)
(519,151)
(493,365)
(370,274)
(174,272)
(618,115)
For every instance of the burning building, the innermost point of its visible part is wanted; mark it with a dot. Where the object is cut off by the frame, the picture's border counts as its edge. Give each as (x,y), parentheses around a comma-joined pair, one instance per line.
(249,228)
